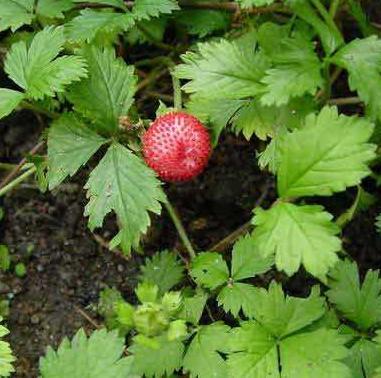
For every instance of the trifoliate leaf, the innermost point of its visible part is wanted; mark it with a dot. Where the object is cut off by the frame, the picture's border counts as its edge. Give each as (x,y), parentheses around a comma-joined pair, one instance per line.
(15,13)
(108,92)
(236,296)
(297,71)
(246,261)
(317,354)
(90,23)
(163,270)
(158,361)
(53,8)
(223,69)
(328,154)
(6,356)
(123,183)
(254,3)
(114,3)
(297,235)
(99,354)
(9,100)
(209,269)
(203,359)
(362,59)
(38,70)
(193,307)
(145,9)
(359,303)
(70,145)
(283,315)
(328,32)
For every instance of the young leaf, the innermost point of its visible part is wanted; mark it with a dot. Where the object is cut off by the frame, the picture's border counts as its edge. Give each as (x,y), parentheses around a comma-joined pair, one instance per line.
(202,359)
(100,353)
(145,9)
(157,361)
(108,92)
(209,269)
(297,235)
(362,59)
(224,69)
(9,100)
(358,303)
(123,183)
(15,13)
(70,145)
(297,71)
(38,70)
(90,23)
(163,270)
(6,356)
(328,154)
(53,8)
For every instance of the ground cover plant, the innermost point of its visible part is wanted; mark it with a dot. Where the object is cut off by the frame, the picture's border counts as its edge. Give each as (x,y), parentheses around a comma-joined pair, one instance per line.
(133,104)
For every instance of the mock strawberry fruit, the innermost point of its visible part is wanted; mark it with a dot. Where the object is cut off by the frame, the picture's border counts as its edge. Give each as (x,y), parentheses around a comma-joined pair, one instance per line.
(177,146)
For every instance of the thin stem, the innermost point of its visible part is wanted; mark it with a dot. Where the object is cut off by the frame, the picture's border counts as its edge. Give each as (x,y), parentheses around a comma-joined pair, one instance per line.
(7,188)
(345,101)
(177,98)
(333,8)
(180,229)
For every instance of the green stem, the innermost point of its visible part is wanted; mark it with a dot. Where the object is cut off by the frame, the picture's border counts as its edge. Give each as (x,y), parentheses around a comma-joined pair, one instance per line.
(333,8)
(7,188)
(180,229)
(326,16)
(177,98)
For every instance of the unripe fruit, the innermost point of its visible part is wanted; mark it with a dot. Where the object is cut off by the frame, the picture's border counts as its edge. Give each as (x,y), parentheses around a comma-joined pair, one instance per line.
(177,146)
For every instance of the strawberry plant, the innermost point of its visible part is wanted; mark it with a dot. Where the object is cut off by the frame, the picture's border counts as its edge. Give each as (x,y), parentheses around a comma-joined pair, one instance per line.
(285,76)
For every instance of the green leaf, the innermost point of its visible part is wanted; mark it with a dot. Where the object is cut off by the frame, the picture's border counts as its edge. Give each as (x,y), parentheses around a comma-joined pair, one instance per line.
(209,269)
(15,13)
(38,70)
(297,235)
(145,9)
(9,100)
(108,92)
(327,30)
(246,261)
(297,72)
(70,145)
(163,270)
(236,296)
(91,23)
(193,307)
(223,69)
(244,4)
(5,259)
(115,3)
(203,359)
(362,59)
(123,183)
(53,8)
(358,303)
(378,223)
(283,315)
(157,362)
(6,356)
(328,154)
(99,354)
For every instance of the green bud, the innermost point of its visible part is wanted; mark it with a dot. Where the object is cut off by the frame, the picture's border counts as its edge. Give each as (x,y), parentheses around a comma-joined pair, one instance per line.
(150,320)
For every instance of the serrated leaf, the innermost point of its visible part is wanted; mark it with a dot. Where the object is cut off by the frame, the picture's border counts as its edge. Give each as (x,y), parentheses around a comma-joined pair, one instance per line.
(99,354)
(15,13)
(53,8)
(6,355)
(209,269)
(108,92)
(202,359)
(157,362)
(246,261)
(90,23)
(145,9)
(163,270)
(362,59)
(70,145)
(38,70)
(193,307)
(297,235)
(123,183)
(223,69)
(328,154)
(9,100)
(358,303)
(237,296)
(297,71)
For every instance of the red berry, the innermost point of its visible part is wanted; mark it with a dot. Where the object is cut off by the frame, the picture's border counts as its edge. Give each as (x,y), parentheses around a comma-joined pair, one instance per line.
(177,146)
